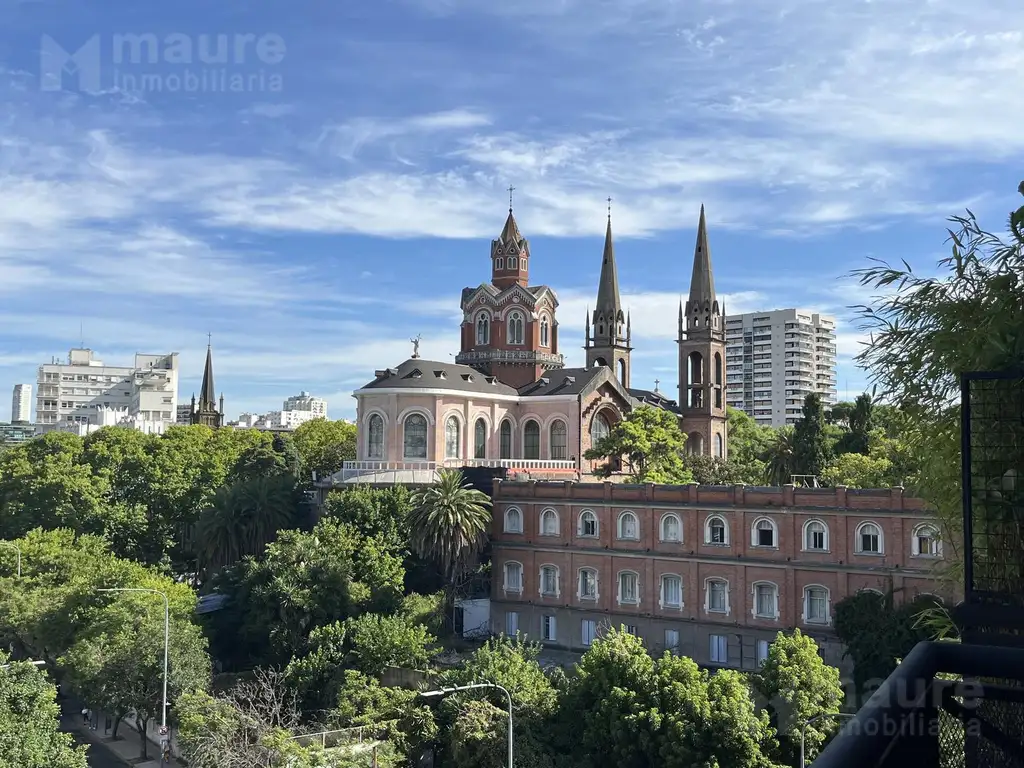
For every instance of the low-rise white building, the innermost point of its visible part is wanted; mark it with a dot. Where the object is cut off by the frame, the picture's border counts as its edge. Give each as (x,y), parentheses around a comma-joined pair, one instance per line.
(304,401)
(297,410)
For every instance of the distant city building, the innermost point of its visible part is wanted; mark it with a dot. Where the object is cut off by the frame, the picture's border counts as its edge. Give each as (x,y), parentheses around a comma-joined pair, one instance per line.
(184,414)
(12,434)
(297,410)
(115,417)
(775,359)
(84,391)
(21,404)
(304,401)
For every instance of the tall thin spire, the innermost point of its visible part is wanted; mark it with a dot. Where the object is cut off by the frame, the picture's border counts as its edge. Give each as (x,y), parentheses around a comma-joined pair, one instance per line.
(207,396)
(608,303)
(702,283)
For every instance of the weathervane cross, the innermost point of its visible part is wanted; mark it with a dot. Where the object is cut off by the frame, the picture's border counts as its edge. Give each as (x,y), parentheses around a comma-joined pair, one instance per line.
(656,383)
(209,339)
(511,189)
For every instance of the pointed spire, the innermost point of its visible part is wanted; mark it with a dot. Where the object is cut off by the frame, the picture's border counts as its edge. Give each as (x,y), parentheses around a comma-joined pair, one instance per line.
(207,396)
(702,283)
(608,288)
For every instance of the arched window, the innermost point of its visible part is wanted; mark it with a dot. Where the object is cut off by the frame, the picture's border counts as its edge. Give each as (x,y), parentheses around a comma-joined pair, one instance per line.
(505,436)
(926,542)
(671,530)
(629,526)
(622,371)
(375,437)
(694,381)
(513,577)
(763,533)
(549,586)
(512,263)
(716,531)
(499,264)
(695,443)
(817,608)
(549,523)
(545,332)
(815,536)
(766,600)
(629,587)
(671,591)
(522,263)
(599,429)
(515,327)
(587,587)
(719,446)
(513,520)
(869,539)
(588,524)
(559,440)
(531,440)
(483,329)
(480,439)
(716,597)
(452,447)
(415,437)
(718,369)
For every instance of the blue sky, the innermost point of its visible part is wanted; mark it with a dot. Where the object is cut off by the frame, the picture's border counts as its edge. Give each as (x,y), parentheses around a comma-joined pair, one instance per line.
(335,202)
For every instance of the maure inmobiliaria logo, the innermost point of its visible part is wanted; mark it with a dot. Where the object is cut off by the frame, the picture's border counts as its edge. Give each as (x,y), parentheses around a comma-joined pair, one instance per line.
(146,63)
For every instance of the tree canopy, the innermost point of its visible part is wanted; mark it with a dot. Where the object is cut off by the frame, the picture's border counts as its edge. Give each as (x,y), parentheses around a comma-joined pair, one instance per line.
(650,440)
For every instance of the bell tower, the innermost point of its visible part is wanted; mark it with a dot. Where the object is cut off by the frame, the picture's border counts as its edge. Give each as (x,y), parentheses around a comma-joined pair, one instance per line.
(608,332)
(510,254)
(701,339)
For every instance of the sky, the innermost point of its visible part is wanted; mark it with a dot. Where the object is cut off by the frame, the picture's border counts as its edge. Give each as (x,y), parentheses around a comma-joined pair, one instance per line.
(314,183)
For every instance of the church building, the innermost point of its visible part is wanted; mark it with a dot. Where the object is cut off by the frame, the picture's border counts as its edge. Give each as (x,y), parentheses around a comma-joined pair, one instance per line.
(206,410)
(509,400)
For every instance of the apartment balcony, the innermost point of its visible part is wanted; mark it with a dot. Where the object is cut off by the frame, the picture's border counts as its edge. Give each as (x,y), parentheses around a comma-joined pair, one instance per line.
(425,472)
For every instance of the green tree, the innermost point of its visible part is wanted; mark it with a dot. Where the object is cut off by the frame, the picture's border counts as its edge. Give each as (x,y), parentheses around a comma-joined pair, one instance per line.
(378,512)
(811,451)
(856,470)
(798,685)
(449,522)
(781,460)
(376,642)
(324,446)
(749,445)
(650,440)
(713,470)
(30,734)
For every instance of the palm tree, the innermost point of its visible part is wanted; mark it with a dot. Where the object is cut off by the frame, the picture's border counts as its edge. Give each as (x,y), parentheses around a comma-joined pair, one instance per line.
(449,522)
(779,470)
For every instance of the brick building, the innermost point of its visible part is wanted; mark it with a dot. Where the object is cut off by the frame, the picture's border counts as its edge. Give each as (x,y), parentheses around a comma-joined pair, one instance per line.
(711,572)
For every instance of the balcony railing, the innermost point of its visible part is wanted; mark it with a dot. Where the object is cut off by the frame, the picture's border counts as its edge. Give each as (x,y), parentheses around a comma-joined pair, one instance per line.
(920,717)
(425,471)
(508,356)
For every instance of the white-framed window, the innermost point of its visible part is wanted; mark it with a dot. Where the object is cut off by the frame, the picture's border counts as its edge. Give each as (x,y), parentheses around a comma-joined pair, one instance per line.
(588,631)
(815,536)
(505,439)
(375,437)
(716,596)
(671,528)
(531,440)
(513,577)
(629,587)
(586,589)
(515,322)
(548,628)
(631,629)
(452,438)
(926,541)
(672,640)
(629,526)
(817,608)
(559,439)
(549,586)
(599,429)
(763,646)
(869,539)
(480,439)
(588,523)
(763,533)
(513,520)
(671,591)
(522,262)
(549,523)
(512,623)
(414,443)
(499,264)
(483,329)
(766,600)
(545,327)
(513,263)
(719,649)
(719,443)
(716,531)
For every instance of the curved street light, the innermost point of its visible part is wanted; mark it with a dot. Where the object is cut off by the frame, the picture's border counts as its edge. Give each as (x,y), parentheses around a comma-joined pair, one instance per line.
(508,696)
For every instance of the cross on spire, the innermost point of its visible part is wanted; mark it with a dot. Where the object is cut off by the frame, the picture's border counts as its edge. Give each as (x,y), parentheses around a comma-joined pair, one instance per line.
(609,209)
(656,383)
(511,189)
(209,340)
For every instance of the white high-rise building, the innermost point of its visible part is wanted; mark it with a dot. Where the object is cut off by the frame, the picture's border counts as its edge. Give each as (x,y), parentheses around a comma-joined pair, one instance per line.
(775,359)
(84,391)
(304,401)
(21,404)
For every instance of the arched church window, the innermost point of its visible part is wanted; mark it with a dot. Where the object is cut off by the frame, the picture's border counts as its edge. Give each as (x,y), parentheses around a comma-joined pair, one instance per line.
(480,439)
(531,440)
(522,263)
(499,264)
(506,439)
(599,429)
(545,332)
(512,263)
(559,440)
(719,446)
(515,328)
(622,371)
(375,438)
(415,437)
(451,438)
(483,329)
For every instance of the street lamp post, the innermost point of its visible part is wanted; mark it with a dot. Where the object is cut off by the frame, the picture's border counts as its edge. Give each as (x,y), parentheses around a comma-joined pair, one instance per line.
(803,730)
(167,635)
(16,549)
(508,696)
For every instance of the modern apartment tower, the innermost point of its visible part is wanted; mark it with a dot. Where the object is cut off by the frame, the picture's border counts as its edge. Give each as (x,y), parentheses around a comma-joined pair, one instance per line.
(21,404)
(775,359)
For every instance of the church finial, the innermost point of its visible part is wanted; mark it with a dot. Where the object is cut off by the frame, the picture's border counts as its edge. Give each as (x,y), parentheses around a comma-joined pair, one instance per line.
(609,210)
(656,383)
(209,340)
(511,189)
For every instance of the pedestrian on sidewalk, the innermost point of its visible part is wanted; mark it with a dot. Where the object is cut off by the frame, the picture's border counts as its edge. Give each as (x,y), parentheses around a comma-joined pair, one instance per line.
(85,716)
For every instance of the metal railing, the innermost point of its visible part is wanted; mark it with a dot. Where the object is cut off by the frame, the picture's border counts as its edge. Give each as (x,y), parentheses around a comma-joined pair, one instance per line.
(343,737)
(425,471)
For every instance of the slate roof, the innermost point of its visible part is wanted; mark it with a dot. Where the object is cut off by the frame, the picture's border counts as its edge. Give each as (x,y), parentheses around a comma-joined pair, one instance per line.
(562,381)
(416,373)
(657,399)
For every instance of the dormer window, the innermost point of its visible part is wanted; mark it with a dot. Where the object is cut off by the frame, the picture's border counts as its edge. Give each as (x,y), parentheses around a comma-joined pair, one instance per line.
(440,375)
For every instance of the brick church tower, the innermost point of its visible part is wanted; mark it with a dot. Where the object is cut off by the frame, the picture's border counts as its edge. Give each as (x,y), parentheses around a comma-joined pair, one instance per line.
(701,340)
(509,329)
